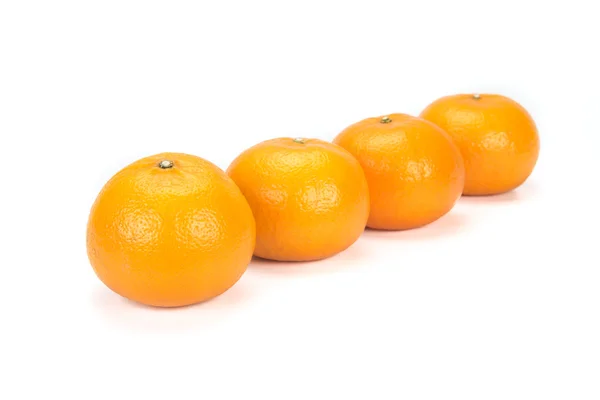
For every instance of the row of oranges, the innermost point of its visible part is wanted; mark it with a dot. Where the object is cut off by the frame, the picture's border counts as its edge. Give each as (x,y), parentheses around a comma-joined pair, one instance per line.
(173,229)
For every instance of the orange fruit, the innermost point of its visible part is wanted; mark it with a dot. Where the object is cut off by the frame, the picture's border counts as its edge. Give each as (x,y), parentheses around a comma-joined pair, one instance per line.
(496,136)
(309,197)
(415,172)
(170,230)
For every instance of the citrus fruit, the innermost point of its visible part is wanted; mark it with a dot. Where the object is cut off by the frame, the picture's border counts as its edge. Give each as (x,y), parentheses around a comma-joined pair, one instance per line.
(170,230)
(496,136)
(415,172)
(309,197)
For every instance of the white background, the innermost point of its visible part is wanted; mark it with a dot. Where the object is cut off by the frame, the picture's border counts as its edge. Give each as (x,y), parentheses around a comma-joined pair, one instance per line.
(500,299)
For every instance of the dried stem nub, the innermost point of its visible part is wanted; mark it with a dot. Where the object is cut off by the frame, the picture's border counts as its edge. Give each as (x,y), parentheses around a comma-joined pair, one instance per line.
(165,164)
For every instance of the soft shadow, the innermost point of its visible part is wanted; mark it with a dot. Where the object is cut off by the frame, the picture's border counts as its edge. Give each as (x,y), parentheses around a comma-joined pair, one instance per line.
(448,225)
(522,193)
(130,315)
(356,254)
(508,197)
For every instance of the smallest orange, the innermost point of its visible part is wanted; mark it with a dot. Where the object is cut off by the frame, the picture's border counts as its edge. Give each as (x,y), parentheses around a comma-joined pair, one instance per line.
(496,136)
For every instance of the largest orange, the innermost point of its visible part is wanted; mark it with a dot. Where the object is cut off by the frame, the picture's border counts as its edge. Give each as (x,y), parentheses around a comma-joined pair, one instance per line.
(170,230)
(309,197)
(496,136)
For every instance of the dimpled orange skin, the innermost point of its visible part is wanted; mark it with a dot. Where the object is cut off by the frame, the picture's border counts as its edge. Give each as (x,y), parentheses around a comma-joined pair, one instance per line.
(170,237)
(310,199)
(415,172)
(496,135)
